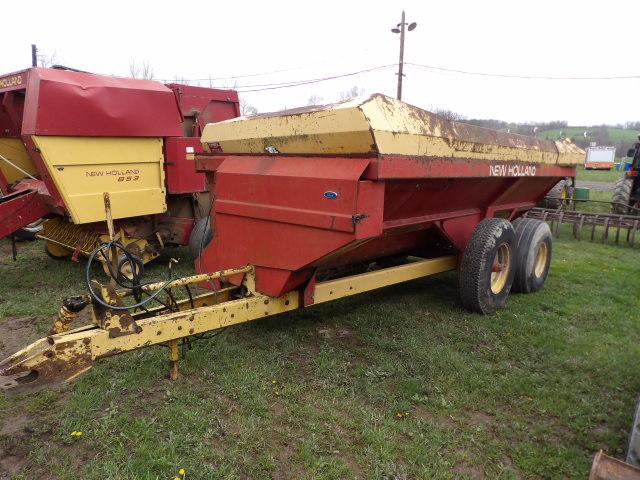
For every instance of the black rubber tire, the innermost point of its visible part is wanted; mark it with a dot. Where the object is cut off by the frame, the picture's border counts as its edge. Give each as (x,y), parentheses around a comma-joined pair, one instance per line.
(477,263)
(621,196)
(24,235)
(531,236)
(553,199)
(29,232)
(201,235)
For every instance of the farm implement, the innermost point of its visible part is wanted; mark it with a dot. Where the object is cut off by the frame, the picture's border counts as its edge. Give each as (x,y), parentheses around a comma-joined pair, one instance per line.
(67,137)
(597,227)
(313,205)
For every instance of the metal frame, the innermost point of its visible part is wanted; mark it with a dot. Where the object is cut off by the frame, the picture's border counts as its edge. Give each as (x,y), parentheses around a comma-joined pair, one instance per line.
(63,356)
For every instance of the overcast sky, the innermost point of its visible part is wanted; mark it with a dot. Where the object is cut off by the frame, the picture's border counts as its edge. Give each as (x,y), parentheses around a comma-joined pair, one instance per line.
(308,39)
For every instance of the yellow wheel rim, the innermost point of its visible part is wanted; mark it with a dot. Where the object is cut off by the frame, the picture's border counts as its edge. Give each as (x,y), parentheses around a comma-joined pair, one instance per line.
(56,250)
(541,259)
(500,268)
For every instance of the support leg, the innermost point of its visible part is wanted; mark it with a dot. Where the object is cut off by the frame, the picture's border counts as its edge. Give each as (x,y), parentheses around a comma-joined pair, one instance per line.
(174,355)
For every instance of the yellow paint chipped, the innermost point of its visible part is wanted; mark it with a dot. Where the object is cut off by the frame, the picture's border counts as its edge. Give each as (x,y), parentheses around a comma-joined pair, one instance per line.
(380,125)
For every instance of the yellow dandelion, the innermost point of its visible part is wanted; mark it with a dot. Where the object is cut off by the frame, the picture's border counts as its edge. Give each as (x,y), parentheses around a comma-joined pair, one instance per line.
(182,471)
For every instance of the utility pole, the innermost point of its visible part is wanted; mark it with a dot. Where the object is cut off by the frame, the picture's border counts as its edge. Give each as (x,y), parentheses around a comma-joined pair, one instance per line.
(34,55)
(400,29)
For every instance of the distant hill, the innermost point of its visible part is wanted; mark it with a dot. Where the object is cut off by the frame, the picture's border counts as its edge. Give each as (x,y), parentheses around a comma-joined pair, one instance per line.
(621,138)
(615,134)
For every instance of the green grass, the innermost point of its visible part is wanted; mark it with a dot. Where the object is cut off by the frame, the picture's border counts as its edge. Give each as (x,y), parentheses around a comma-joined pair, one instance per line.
(609,176)
(397,383)
(615,134)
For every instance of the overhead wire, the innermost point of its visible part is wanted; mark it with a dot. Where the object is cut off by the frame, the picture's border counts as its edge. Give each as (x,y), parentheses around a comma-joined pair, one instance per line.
(521,77)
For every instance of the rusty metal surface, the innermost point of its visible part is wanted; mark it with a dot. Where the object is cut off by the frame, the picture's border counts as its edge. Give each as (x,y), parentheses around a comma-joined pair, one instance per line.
(598,227)
(605,467)
(61,358)
(48,362)
(379,125)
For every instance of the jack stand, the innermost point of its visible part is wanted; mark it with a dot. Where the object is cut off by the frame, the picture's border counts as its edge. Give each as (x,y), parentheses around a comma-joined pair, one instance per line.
(14,248)
(174,355)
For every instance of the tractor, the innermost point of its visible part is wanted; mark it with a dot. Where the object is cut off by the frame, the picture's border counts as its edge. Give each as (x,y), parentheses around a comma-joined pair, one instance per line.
(626,193)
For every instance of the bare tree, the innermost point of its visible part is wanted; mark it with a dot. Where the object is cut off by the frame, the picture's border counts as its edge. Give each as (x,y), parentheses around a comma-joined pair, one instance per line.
(353,92)
(314,100)
(246,109)
(449,114)
(180,80)
(143,71)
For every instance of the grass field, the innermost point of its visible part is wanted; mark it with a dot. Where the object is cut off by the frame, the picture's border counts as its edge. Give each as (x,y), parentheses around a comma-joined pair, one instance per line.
(615,134)
(609,176)
(399,383)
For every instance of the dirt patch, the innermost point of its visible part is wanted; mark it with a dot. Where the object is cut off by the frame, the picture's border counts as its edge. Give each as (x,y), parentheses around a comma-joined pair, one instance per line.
(603,430)
(342,335)
(469,470)
(427,416)
(480,419)
(277,408)
(16,333)
(283,469)
(11,465)
(16,425)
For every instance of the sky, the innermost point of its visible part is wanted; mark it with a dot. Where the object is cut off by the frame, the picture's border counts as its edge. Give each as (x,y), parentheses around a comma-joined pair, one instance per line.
(301,40)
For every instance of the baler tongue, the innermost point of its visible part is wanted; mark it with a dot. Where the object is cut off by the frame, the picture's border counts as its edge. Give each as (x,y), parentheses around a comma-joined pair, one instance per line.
(45,363)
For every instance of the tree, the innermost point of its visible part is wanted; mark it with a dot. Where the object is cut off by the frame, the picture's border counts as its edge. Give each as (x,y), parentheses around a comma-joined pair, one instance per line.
(143,71)
(602,135)
(246,109)
(449,115)
(314,100)
(353,92)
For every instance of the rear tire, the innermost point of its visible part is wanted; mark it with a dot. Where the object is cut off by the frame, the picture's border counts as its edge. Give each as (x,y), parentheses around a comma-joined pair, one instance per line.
(560,194)
(29,232)
(201,235)
(533,255)
(621,197)
(487,267)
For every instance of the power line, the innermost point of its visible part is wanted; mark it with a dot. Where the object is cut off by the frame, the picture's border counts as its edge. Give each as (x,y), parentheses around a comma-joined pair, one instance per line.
(521,77)
(275,86)
(261,74)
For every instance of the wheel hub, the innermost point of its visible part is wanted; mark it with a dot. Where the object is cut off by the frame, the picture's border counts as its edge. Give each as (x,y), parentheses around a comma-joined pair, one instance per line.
(500,268)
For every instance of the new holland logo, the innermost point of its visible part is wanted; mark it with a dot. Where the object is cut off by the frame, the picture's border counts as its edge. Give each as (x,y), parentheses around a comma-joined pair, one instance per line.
(129,175)
(12,81)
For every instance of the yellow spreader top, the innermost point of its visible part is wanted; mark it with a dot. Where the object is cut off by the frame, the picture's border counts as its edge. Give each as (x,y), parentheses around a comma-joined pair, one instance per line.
(379,125)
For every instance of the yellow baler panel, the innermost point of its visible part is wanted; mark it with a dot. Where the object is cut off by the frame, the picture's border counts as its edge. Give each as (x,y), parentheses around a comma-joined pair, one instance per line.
(83,168)
(14,150)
